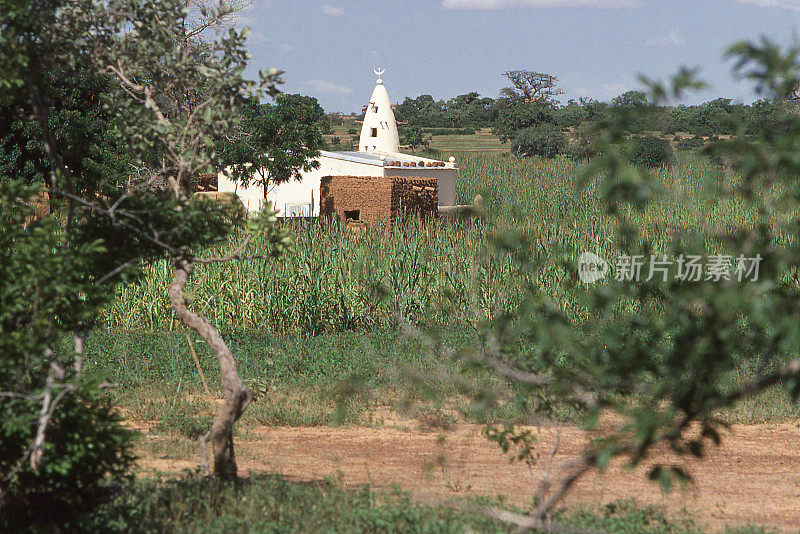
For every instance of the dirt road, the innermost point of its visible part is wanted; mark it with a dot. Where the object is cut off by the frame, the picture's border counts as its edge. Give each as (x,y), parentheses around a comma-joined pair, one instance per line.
(753,478)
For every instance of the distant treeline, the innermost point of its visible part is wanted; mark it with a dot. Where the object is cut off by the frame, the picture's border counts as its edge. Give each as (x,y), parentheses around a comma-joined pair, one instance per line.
(471,111)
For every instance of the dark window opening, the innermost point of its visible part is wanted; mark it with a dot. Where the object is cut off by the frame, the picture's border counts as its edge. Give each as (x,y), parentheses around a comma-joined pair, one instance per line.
(374,132)
(352,215)
(376,109)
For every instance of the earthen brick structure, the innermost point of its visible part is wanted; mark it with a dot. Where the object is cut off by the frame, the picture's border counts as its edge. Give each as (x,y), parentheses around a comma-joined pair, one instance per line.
(372,199)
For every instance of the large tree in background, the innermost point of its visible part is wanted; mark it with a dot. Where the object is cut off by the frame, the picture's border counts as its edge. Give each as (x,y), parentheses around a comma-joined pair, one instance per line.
(529,87)
(527,103)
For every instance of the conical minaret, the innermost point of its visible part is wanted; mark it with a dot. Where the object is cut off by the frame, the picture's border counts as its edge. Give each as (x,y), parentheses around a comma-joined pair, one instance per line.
(379,132)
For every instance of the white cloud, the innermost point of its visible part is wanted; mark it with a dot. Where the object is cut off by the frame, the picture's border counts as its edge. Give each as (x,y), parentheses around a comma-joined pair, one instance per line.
(672,38)
(792,5)
(498,4)
(332,11)
(324,87)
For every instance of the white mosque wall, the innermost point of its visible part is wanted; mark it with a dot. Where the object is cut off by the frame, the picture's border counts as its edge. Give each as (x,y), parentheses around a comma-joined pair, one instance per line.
(301,198)
(297,198)
(252,197)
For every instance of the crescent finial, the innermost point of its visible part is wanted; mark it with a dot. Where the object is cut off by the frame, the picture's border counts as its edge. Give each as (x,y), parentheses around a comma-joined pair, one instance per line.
(379,71)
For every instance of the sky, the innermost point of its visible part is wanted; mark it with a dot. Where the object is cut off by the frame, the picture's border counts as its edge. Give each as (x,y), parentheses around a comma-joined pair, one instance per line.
(597,48)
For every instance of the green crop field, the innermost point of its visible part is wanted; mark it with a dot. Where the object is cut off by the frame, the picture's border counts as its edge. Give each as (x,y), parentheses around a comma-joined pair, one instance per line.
(433,272)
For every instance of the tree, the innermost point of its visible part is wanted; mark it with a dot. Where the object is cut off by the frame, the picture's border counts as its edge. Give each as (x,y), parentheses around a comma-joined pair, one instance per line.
(659,352)
(60,440)
(546,141)
(77,118)
(413,137)
(276,143)
(511,120)
(529,87)
(174,100)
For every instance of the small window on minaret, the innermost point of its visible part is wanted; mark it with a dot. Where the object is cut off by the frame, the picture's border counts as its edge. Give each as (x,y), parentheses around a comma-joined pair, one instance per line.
(376,109)
(374,132)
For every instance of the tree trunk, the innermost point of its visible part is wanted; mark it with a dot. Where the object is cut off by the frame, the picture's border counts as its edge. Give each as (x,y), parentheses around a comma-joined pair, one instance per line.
(237,396)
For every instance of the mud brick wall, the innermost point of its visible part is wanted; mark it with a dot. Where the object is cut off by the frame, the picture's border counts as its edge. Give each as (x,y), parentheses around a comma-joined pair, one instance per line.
(371,196)
(414,197)
(378,198)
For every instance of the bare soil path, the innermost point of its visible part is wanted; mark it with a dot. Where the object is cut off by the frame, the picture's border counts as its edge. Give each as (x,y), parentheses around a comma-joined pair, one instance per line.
(754,477)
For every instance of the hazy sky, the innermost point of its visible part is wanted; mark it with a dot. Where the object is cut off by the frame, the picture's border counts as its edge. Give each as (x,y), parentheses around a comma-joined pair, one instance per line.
(597,48)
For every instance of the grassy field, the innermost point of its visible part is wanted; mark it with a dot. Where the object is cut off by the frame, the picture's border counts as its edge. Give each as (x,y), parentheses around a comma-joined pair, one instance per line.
(434,273)
(482,141)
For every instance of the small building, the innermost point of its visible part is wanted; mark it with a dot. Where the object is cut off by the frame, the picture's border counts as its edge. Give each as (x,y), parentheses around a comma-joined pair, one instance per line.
(378,156)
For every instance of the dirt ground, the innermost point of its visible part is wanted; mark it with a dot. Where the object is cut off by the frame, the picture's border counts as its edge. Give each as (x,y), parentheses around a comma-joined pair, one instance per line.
(754,477)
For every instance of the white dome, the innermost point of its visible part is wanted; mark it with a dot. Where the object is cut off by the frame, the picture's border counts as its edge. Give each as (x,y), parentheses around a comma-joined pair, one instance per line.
(379,131)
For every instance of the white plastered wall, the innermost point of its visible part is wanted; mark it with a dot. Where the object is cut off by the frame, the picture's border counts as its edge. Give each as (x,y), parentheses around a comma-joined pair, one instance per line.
(298,193)
(303,196)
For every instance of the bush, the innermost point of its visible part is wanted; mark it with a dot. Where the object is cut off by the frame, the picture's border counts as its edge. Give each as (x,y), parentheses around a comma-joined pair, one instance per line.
(546,140)
(649,151)
(44,296)
(86,451)
(690,143)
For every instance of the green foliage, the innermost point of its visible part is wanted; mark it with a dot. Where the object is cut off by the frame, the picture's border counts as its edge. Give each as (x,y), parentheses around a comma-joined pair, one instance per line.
(513,119)
(270,503)
(413,137)
(86,82)
(279,140)
(463,111)
(546,141)
(76,119)
(661,351)
(45,294)
(690,143)
(87,452)
(649,151)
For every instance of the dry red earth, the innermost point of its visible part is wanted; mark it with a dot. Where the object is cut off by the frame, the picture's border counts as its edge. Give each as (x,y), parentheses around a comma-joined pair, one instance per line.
(754,477)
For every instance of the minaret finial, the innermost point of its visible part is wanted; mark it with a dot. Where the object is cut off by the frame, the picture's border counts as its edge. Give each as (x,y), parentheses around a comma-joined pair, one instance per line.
(379,72)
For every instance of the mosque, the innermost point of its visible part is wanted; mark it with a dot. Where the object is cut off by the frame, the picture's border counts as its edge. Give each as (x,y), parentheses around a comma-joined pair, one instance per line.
(378,156)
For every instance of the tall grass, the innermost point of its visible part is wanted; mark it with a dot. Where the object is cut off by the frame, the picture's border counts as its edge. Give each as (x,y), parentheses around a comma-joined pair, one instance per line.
(434,272)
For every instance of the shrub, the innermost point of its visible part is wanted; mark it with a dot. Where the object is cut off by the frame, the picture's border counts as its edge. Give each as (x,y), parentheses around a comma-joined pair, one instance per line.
(583,143)
(87,449)
(43,297)
(690,143)
(546,140)
(649,151)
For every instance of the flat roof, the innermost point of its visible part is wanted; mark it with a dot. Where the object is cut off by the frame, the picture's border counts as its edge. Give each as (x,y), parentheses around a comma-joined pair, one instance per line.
(379,158)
